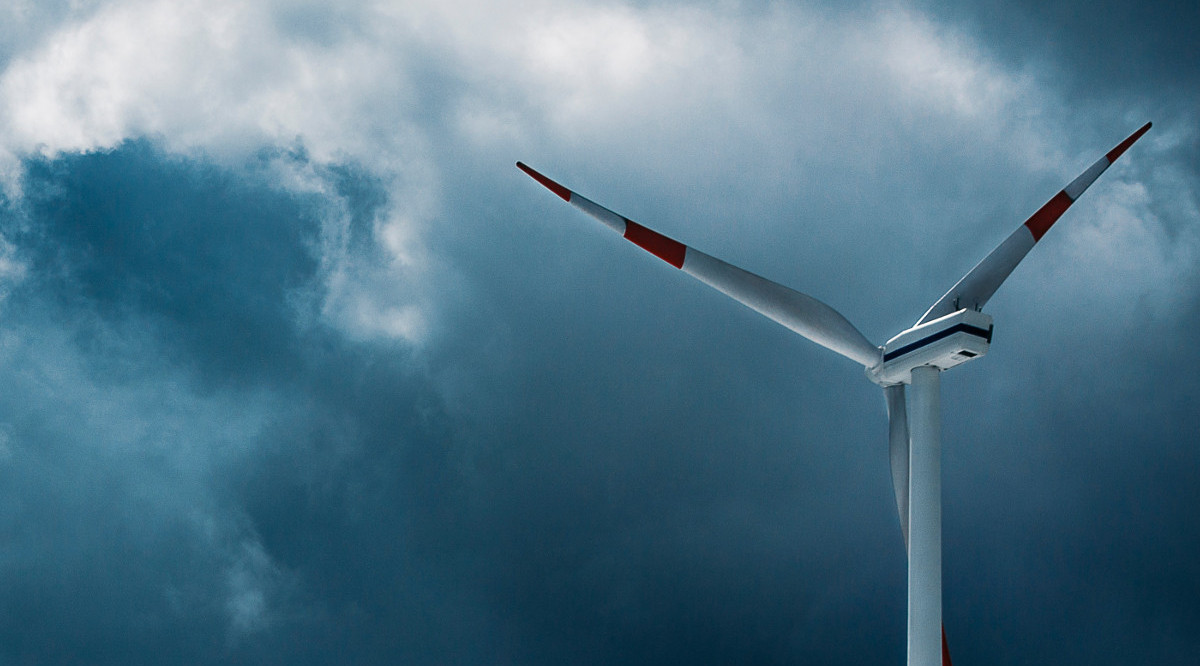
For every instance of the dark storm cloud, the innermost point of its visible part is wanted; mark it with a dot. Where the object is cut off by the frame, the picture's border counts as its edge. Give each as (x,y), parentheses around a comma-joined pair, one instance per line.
(347,503)
(1097,51)
(207,262)
(190,472)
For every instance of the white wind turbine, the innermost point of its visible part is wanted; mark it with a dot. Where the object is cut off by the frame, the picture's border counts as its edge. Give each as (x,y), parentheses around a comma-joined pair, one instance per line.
(951,332)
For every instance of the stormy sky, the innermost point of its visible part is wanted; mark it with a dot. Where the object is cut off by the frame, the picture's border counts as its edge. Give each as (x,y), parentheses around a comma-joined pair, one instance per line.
(297,368)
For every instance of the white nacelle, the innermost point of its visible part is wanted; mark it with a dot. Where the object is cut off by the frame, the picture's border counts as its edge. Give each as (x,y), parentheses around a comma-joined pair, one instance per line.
(942,343)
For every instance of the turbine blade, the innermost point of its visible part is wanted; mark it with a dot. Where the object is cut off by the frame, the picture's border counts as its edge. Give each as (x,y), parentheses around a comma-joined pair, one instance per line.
(897,412)
(978,285)
(799,312)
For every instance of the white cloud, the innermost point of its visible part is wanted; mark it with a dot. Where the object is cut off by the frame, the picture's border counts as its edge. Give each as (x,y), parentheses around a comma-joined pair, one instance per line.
(251,578)
(875,112)
(228,76)
(1118,236)
(221,79)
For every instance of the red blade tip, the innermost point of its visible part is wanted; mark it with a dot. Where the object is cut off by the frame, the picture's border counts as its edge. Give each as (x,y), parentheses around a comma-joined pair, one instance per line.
(1124,145)
(549,184)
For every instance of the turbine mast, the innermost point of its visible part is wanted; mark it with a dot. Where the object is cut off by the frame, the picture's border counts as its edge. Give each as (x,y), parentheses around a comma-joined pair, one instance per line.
(925,519)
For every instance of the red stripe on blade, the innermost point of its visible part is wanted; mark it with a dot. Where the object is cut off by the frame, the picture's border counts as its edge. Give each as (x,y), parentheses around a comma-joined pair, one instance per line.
(945,649)
(550,185)
(1047,215)
(1124,145)
(667,249)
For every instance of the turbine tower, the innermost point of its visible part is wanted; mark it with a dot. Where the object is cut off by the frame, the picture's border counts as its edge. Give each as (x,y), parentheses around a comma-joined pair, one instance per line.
(908,367)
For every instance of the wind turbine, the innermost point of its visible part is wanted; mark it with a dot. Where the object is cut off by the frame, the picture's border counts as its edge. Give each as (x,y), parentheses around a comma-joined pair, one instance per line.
(951,332)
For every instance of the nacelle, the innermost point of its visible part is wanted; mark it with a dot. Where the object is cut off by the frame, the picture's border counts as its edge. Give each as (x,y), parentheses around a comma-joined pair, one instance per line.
(943,343)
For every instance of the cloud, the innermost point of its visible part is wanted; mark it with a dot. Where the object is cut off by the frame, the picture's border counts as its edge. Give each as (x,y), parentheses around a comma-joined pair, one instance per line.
(168,362)
(224,80)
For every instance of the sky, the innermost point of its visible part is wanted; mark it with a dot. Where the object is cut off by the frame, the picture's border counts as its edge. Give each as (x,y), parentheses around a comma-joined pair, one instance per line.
(299,369)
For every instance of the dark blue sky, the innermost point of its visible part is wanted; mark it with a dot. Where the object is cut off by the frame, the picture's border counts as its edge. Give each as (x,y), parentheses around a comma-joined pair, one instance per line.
(299,369)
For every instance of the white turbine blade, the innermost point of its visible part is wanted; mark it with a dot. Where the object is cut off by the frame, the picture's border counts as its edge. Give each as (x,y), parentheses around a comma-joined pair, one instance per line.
(978,285)
(898,451)
(799,312)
